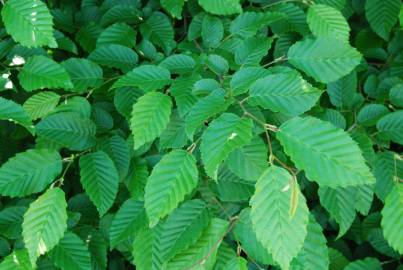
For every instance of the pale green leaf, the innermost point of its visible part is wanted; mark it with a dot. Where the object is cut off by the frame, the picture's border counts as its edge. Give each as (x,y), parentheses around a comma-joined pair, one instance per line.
(18,260)
(41,104)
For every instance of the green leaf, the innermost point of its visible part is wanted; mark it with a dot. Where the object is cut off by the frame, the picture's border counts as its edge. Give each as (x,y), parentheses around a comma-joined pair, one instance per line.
(217,64)
(150,116)
(42,72)
(127,221)
(14,112)
(118,33)
(174,136)
(10,221)
(242,79)
(314,144)
(388,168)
(181,90)
(251,51)
(159,31)
(343,91)
(183,228)
(338,202)
(237,263)
(124,99)
(68,129)
(221,7)
(41,104)
(371,113)
(212,31)
(204,250)
(314,253)
(146,251)
(84,74)
(75,104)
(29,172)
(231,188)
(18,260)
(29,22)
(174,177)
(100,179)
(115,56)
(44,223)
(174,7)
(249,161)
(314,58)
(249,242)
(125,12)
(390,126)
(248,23)
(365,264)
(326,21)
(71,253)
(396,95)
(382,16)
(391,223)
(205,108)
(224,135)
(146,77)
(178,63)
(281,234)
(287,93)
(118,150)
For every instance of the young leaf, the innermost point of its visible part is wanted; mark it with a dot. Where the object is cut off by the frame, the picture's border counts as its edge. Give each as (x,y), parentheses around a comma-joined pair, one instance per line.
(314,58)
(314,144)
(225,134)
(174,177)
(44,223)
(18,260)
(282,235)
(150,116)
(29,172)
(29,22)
(100,179)
(42,72)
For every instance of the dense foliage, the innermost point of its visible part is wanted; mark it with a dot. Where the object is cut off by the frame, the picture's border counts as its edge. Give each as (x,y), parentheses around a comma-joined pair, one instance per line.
(201,134)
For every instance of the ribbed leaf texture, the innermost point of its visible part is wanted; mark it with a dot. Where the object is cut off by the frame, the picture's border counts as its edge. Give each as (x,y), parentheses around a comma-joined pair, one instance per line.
(326,21)
(29,172)
(365,264)
(115,56)
(388,168)
(174,177)
(146,252)
(158,29)
(84,74)
(327,154)
(221,7)
(41,104)
(174,7)
(281,233)
(212,31)
(203,252)
(391,126)
(29,22)
(127,221)
(118,33)
(382,16)
(11,220)
(231,188)
(248,23)
(150,116)
(68,129)
(392,223)
(225,134)
(338,202)
(245,234)
(11,111)
(287,93)
(118,150)
(146,77)
(314,253)
(252,50)
(178,64)
(205,108)
(42,72)
(44,223)
(71,253)
(314,58)
(183,228)
(18,260)
(245,77)
(100,179)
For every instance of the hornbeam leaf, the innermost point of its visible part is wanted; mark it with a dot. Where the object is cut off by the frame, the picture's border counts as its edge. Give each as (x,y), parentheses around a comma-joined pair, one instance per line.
(314,58)
(281,234)
(174,177)
(29,172)
(44,223)
(225,134)
(327,154)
